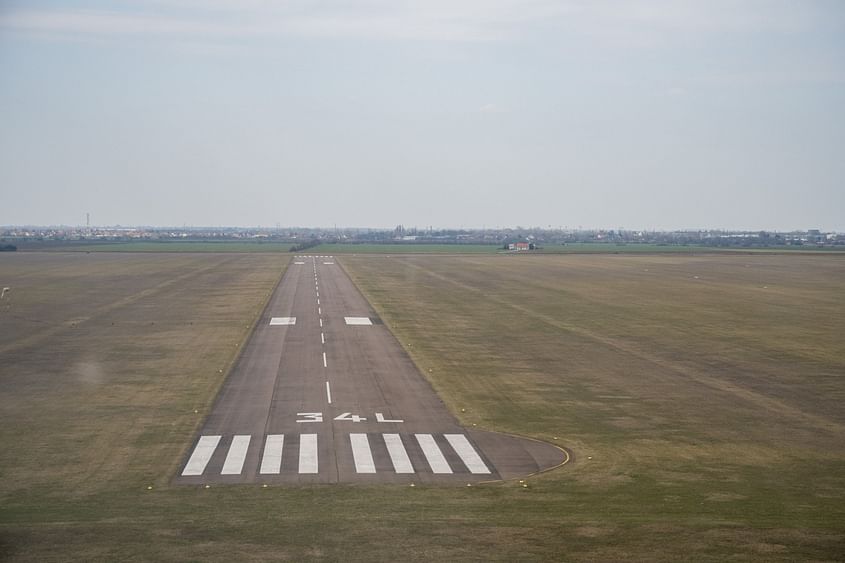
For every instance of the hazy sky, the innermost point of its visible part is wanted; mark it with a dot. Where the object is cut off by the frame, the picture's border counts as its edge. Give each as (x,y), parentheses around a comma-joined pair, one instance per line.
(635,114)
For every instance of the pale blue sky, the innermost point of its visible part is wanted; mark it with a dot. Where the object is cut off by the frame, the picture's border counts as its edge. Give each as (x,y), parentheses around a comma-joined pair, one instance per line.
(638,114)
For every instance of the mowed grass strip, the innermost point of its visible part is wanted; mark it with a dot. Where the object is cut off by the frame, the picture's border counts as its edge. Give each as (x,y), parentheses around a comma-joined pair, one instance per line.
(565,347)
(695,391)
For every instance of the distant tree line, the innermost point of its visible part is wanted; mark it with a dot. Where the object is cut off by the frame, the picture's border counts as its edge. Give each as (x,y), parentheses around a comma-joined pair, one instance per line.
(305,245)
(8,248)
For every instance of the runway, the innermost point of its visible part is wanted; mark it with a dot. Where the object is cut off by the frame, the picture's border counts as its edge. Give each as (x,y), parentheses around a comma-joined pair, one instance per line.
(324,393)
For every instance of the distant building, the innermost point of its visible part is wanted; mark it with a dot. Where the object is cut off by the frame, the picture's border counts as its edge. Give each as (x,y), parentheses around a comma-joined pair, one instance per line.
(520,246)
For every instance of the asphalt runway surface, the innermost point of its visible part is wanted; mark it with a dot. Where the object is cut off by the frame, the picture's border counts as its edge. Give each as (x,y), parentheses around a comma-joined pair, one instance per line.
(324,393)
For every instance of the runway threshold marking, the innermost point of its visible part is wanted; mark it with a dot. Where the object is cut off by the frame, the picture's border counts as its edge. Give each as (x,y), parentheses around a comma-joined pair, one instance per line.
(201,455)
(361,454)
(271,461)
(467,453)
(308,453)
(432,454)
(234,463)
(271,458)
(398,454)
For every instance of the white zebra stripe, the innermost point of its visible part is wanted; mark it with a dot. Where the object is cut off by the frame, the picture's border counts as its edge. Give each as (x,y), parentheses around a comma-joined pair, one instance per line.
(467,453)
(398,454)
(234,463)
(361,454)
(271,462)
(201,455)
(433,454)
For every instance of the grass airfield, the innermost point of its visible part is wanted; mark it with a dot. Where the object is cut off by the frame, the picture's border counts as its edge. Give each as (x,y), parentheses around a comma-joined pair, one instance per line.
(701,397)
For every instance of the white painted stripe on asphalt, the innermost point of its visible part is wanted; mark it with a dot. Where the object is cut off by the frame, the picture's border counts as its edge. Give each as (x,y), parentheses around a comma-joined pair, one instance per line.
(234,463)
(299,263)
(328,392)
(201,455)
(398,455)
(319,310)
(467,453)
(277,321)
(358,320)
(271,462)
(325,365)
(318,301)
(308,453)
(323,337)
(321,323)
(433,454)
(361,454)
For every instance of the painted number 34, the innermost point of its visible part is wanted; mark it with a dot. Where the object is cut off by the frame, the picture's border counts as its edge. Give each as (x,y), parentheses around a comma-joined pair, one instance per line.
(345,417)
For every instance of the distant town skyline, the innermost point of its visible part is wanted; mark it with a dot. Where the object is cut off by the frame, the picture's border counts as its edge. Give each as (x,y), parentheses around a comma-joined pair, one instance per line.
(645,115)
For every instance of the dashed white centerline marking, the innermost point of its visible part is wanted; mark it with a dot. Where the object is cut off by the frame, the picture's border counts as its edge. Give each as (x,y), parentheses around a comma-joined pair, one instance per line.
(234,463)
(328,392)
(308,453)
(321,323)
(318,301)
(433,454)
(325,365)
(361,454)
(322,338)
(467,453)
(319,310)
(398,455)
(271,463)
(201,455)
